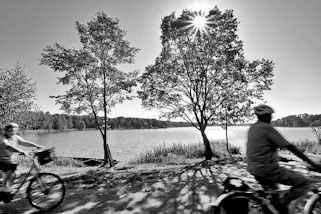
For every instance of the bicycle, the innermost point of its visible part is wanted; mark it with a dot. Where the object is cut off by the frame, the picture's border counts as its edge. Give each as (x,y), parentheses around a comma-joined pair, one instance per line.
(45,191)
(256,201)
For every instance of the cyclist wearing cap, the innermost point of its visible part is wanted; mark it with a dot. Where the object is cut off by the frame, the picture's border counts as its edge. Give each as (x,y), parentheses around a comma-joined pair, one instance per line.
(9,144)
(262,158)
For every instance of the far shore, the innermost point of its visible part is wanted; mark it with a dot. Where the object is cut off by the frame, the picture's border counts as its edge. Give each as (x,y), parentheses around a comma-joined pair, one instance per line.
(23,131)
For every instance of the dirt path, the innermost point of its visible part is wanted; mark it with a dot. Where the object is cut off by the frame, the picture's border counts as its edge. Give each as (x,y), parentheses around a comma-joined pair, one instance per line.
(177,190)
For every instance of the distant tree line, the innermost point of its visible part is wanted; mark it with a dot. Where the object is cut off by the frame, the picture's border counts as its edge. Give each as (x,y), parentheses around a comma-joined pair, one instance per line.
(34,120)
(300,120)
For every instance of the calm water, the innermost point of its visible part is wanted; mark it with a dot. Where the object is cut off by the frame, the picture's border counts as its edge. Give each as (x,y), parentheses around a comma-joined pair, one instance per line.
(126,144)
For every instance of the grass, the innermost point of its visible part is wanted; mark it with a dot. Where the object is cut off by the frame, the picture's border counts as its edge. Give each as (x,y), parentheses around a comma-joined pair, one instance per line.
(176,152)
(60,166)
(235,150)
(57,162)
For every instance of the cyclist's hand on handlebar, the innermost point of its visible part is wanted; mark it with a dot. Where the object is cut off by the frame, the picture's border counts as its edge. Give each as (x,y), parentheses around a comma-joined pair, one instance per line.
(316,168)
(23,153)
(41,148)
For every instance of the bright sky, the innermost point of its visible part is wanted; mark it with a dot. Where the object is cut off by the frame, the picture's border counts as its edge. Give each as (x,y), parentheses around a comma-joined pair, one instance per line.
(287,31)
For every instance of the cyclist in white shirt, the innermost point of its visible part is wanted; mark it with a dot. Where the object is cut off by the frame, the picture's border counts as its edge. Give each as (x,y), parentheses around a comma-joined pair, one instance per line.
(10,144)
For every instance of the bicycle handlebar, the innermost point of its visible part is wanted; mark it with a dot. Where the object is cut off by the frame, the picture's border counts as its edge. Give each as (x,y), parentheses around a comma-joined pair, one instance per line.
(313,169)
(33,154)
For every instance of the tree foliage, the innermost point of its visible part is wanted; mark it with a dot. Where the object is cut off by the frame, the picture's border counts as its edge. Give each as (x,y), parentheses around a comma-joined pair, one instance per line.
(96,83)
(17,94)
(35,120)
(198,75)
(301,120)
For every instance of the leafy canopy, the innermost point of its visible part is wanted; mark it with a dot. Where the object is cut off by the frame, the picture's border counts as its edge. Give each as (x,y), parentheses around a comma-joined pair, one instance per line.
(198,74)
(96,84)
(17,94)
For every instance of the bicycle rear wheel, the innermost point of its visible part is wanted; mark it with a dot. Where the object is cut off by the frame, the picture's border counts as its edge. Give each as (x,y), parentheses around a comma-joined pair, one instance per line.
(46,191)
(241,203)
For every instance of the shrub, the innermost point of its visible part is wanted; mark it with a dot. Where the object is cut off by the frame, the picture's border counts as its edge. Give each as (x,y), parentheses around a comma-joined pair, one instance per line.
(234,150)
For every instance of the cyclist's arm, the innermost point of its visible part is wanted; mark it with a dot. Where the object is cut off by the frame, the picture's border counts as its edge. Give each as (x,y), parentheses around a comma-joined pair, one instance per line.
(14,148)
(281,142)
(300,154)
(27,143)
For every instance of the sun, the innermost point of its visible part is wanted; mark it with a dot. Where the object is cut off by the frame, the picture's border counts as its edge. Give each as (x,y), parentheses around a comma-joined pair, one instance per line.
(199,22)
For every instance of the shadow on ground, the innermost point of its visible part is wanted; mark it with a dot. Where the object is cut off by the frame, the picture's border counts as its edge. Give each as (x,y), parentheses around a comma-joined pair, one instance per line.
(189,189)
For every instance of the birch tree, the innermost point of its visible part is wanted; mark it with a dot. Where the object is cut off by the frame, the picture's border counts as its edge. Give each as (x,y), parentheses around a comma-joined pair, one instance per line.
(96,83)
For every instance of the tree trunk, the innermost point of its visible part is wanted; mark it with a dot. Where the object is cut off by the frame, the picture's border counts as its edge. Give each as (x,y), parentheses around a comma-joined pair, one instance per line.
(227,143)
(107,154)
(208,151)
(226,137)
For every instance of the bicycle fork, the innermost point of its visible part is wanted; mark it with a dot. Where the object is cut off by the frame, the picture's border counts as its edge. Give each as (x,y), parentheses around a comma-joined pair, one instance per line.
(311,201)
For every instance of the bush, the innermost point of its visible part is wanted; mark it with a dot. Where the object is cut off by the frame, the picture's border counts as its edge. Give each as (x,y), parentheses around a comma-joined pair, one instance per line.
(235,150)
(161,154)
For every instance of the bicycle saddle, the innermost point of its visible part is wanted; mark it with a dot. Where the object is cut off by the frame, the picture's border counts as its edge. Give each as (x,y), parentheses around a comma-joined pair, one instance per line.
(233,183)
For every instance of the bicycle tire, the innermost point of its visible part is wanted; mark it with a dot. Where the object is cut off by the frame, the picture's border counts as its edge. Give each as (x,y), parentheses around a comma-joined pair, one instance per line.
(253,203)
(36,190)
(313,205)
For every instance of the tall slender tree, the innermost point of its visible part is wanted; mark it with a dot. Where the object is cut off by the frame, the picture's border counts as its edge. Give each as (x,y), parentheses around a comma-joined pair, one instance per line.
(96,83)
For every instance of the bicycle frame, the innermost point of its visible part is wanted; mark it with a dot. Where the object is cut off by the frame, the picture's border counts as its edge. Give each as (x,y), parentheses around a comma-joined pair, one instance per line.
(315,196)
(34,166)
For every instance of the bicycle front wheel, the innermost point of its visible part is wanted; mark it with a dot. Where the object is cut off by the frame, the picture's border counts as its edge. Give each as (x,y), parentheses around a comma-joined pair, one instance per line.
(45,191)
(241,203)
(313,205)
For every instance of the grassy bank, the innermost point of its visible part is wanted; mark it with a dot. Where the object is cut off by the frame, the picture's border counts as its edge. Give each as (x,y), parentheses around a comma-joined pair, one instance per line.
(57,162)
(180,152)
(175,152)
(60,165)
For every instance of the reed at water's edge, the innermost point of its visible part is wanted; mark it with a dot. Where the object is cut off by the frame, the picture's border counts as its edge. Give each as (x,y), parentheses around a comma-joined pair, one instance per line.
(164,154)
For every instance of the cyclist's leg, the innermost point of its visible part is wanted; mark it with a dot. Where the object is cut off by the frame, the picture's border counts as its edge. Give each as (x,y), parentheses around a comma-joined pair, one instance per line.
(9,174)
(9,178)
(268,185)
(300,185)
(265,183)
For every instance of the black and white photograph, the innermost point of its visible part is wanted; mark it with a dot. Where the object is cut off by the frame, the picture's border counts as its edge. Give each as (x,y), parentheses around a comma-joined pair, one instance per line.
(160,107)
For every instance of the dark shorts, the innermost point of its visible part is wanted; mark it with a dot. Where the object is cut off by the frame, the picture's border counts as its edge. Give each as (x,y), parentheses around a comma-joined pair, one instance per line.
(7,166)
(300,185)
(284,176)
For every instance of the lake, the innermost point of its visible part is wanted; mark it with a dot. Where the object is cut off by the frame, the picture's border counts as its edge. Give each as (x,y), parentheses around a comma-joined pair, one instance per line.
(127,144)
